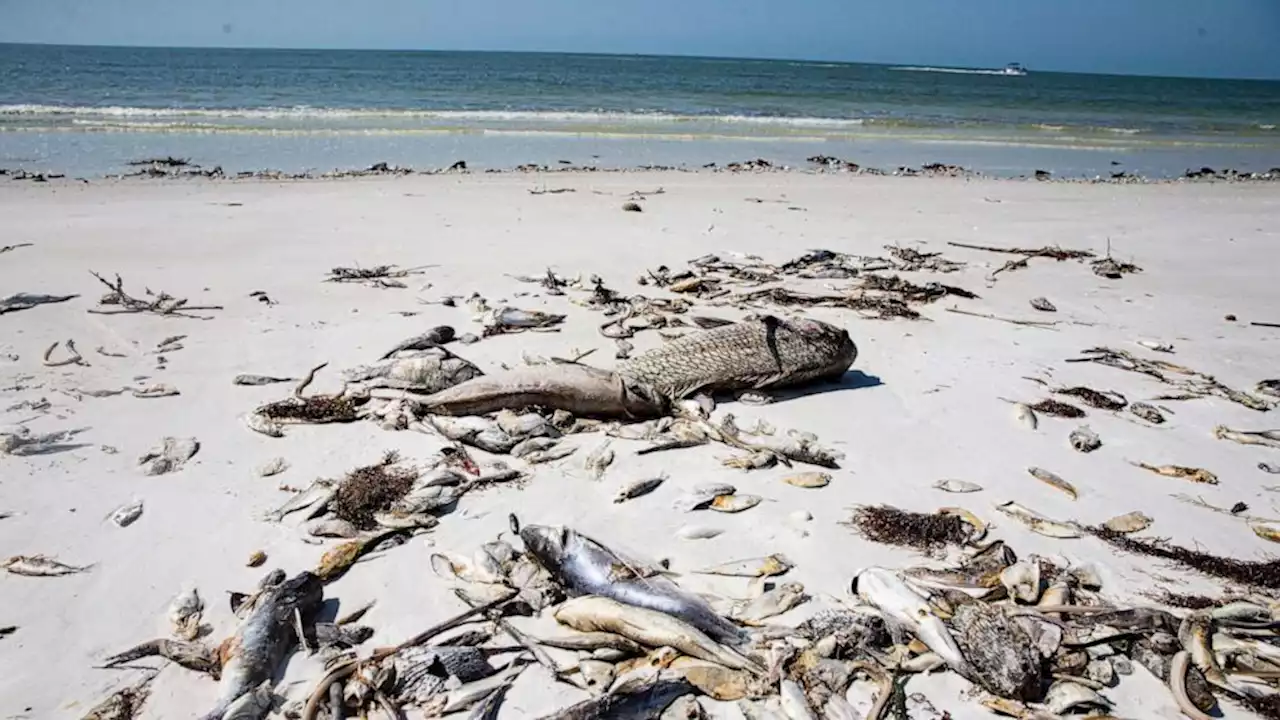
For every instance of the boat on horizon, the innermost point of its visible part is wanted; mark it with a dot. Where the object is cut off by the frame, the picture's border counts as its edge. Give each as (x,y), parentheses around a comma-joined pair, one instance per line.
(1014,69)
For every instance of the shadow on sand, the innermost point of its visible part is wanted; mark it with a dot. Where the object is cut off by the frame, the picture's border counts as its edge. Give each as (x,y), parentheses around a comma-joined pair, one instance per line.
(852,380)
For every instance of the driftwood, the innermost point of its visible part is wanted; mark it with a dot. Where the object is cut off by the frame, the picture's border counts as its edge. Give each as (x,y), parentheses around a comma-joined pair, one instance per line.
(120,302)
(1050,251)
(8,248)
(1013,321)
(379,276)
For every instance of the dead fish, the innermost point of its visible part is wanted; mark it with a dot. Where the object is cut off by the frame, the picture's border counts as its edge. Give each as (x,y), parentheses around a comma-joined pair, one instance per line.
(957,486)
(698,532)
(339,559)
(1147,412)
(480,432)
(1022,581)
(1130,522)
(253,705)
(265,638)
(559,452)
(1043,305)
(316,497)
(1053,480)
(1265,438)
(274,466)
(1156,346)
(331,527)
(1084,440)
(170,456)
(702,495)
(794,704)
(599,460)
(1271,468)
(776,564)
(1025,416)
(259,380)
(638,488)
(435,337)
(157,390)
(40,566)
(777,601)
(502,319)
(1268,387)
(185,611)
(1038,523)
(1196,475)
(808,479)
(1094,398)
(893,597)
(586,567)
(734,503)
(591,613)
(1053,408)
(1267,530)
(579,389)
(127,514)
(524,448)
(640,696)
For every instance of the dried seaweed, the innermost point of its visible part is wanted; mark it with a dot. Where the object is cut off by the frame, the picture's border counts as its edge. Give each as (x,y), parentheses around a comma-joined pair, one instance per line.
(1057,409)
(379,276)
(910,292)
(911,260)
(119,302)
(1193,381)
(1265,574)
(924,531)
(1266,706)
(1095,398)
(372,489)
(1183,600)
(314,409)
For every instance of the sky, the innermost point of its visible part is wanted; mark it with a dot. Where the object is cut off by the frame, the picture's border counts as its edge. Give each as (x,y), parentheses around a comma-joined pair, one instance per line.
(1209,38)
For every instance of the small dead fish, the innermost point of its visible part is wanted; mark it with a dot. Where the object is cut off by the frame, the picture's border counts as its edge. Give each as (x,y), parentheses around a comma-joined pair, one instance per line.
(1195,475)
(794,704)
(40,566)
(1268,387)
(185,612)
(1147,412)
(808,479)
(1053,480)
(1130,522)
(1156,346)
(734,503)
(1265,438)
(1267,530)
(157,390)
(599,460)
(776,564)
(650,628)
(259,380)
(702,495)
(331,527)
(1036,522)
(1054,408)
(957,486)
(1272,468)
(777,601)
(638,488)
(1043,305)
(338,559)
(558,452)
(125,515)
(1084,440)
(1025,416)
(528,447)
(1095,398)
(274,466)
(697,532)
(256,559)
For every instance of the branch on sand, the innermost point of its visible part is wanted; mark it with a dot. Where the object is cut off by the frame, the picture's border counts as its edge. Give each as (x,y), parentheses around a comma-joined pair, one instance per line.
(9,248)
(119,302)
(379,276)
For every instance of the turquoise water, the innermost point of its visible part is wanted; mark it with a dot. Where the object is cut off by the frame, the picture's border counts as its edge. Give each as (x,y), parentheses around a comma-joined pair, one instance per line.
(89,110)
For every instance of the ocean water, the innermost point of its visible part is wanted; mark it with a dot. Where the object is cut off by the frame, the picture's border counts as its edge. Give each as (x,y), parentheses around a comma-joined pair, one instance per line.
(90,110)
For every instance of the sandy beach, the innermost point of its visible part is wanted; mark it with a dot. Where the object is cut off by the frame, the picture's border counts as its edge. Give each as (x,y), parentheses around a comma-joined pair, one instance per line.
(927,400)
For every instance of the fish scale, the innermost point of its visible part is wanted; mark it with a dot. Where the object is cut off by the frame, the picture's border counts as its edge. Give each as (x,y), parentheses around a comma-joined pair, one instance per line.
(754,354)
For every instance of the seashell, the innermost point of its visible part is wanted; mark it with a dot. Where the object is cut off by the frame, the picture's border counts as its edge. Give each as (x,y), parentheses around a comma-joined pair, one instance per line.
(808,479)
(957,486)
(734,503)
(1129,522)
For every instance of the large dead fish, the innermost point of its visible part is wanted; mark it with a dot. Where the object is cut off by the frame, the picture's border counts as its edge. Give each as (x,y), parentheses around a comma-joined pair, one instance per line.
(754,354)
(585,567)
(641,696)
(265,638)
(424,371)
(575,388)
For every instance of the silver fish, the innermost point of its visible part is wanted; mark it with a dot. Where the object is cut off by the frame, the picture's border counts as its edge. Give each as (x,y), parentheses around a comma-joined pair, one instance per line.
(480,432)
(599,461)
(436,336)
(638,488)
(40,566)
(586,567)
(579,389)
(127,514)
(260,380)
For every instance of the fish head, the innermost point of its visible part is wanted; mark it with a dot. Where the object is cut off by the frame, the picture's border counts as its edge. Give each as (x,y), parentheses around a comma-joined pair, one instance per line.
(549,545)
(304,591)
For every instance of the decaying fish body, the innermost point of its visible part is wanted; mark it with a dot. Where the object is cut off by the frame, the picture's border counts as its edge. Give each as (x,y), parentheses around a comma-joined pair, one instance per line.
(247,379)
(265,638)
(1129,522)
(1053,480)
(1038,523)
(1264,438)
(423,371)
(592,613)
(641,696)
(893,597)
(635,489)
(767,566)
(40,566)
(754,354)
(1084,439)
(1002,655)
(433,338)
(185,612)
(585,567)
(579,389)
(1195,475)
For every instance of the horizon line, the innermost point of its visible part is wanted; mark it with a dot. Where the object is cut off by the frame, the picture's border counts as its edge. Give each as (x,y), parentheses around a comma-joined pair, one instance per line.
(1030,71)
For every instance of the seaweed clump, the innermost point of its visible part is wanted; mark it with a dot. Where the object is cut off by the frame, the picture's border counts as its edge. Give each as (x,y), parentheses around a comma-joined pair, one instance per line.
(888,525)
(1264,574)
(372,489)
(1057,409)
(1187,601)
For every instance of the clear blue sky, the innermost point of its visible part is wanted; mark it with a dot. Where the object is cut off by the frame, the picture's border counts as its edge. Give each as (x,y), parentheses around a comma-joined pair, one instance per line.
(1218,38)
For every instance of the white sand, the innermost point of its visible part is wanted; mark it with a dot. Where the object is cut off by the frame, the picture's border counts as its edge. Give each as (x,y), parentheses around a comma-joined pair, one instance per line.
(1207,250)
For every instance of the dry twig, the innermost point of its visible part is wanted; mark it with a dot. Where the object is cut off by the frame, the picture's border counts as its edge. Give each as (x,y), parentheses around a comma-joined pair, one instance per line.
(161,303)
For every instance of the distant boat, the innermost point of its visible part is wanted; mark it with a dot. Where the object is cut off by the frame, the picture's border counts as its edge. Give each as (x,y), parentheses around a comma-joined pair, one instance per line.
(1014,69)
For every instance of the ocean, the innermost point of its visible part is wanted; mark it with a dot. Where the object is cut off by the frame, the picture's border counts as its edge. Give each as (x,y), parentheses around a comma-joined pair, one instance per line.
(88,111)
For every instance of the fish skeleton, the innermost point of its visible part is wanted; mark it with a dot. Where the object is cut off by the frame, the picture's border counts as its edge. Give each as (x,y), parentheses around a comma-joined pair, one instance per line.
(755,354)
(586,567)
